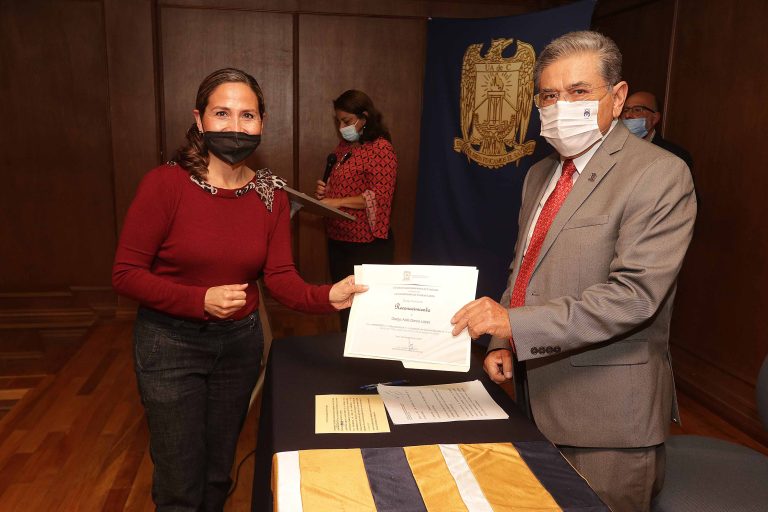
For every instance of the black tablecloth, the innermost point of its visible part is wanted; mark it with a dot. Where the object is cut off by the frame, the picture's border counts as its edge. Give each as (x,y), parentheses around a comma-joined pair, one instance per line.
(301,367)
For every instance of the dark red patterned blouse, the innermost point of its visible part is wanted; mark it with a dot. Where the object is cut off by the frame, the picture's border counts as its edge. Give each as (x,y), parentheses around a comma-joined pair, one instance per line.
(369,170)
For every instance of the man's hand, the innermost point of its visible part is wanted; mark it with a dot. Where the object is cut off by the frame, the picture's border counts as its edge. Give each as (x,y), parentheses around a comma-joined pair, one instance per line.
(224,301)
(498,365)
(343,292)
(482,316)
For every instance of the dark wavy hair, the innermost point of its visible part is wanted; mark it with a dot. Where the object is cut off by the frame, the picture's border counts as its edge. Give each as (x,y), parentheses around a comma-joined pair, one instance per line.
(359,104)
(193,155)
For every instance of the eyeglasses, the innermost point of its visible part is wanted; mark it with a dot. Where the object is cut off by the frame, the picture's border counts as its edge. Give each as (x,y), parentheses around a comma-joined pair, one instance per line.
(638,110)
(547,98)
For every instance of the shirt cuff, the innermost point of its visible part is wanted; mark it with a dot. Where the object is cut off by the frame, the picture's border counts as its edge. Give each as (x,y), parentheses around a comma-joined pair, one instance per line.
(370,207)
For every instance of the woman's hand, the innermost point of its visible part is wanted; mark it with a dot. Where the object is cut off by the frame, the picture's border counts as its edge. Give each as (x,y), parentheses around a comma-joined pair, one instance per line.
(333,202)
(320,190)
(224,301)
(343,292)
(352,202)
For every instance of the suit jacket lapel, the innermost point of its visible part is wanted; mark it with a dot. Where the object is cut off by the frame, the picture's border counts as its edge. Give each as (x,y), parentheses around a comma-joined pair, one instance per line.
(598,166)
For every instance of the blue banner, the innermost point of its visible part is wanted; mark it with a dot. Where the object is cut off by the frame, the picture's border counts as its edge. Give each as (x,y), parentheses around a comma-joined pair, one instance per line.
(479,136)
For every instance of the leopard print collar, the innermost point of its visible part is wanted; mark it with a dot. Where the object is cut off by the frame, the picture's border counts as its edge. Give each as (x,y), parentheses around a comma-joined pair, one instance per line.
(264,183)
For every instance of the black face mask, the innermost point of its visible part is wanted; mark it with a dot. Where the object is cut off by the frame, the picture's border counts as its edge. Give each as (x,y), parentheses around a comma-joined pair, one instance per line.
(232,147)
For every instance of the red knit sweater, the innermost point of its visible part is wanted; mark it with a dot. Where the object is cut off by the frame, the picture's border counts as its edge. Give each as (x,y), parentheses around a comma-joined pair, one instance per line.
(178,240)
(370,170)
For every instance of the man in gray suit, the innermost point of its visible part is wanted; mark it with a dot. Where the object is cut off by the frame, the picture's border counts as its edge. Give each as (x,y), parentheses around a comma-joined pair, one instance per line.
(603,230)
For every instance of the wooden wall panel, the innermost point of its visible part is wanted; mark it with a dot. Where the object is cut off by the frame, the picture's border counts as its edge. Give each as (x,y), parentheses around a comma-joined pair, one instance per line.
(132,99)
(716,110)
(383,57)
(394,8)
(642,30)
(196,42)
(56,200)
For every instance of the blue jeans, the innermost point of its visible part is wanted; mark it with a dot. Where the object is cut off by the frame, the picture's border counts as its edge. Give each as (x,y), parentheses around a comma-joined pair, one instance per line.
(195,381)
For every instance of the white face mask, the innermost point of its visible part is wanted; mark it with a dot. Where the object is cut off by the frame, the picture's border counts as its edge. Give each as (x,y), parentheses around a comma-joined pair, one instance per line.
(570,127)
(349,133)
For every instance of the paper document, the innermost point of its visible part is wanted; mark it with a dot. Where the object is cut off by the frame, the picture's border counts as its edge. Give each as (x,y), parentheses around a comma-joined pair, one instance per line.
(406,315)
(350,414)
(438,404)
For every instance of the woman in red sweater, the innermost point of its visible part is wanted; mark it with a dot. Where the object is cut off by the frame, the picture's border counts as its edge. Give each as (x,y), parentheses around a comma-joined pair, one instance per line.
(362,184)
(198,235)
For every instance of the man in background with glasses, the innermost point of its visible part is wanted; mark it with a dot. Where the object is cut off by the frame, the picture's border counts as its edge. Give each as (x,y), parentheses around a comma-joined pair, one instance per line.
(641,115)
(583,326)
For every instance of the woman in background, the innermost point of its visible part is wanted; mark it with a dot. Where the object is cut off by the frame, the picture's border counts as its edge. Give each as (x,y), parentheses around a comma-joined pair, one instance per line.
(362,184)
(198,235)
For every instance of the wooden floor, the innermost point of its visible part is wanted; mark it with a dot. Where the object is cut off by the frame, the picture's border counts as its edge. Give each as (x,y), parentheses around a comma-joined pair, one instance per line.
(75,437)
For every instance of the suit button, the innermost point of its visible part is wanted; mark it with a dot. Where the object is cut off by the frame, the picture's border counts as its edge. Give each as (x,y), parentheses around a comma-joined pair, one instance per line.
(534,350)
(557,350)
(541,350)
(550,350)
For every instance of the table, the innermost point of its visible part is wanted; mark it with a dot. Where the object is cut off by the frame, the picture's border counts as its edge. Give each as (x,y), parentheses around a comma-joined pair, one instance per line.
(301,367)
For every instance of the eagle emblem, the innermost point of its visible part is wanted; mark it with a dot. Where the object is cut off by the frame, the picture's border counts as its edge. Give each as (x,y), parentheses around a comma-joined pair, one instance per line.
(496,102)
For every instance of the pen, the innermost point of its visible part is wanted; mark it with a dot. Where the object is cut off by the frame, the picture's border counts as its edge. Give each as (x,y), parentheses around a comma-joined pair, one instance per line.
(371,387)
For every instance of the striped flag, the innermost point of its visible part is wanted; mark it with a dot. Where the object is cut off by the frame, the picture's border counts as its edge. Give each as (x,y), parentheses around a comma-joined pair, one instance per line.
(490,477)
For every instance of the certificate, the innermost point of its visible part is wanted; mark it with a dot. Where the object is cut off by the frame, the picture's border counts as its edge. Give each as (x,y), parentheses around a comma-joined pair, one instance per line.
(461,401)
(406,315)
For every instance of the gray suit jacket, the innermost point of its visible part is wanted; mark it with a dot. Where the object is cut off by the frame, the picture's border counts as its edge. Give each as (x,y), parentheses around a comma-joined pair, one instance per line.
(594,331)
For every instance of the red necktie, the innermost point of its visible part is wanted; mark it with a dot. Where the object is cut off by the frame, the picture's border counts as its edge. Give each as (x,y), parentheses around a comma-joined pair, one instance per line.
(547,215)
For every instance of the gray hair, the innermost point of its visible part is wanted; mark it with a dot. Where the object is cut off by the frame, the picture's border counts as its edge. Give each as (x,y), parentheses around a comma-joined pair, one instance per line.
(584,41)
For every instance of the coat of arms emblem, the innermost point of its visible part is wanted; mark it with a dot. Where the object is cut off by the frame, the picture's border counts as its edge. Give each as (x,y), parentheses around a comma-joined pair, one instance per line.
(496,102)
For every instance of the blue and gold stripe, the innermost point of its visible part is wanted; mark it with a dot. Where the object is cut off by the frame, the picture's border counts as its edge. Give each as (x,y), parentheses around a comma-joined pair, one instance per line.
(489,477)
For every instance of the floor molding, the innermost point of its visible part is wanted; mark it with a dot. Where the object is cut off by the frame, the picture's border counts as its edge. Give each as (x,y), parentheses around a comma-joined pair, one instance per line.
(73,307)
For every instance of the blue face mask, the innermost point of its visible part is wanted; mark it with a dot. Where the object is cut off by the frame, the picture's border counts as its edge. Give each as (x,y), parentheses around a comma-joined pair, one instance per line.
(636,126)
